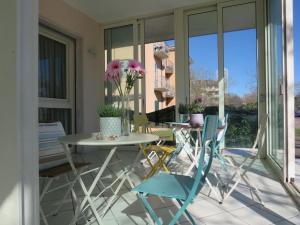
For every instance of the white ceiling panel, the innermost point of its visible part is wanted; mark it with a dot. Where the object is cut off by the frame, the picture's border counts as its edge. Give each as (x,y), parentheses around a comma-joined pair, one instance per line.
(159,29)
(239,17)
(111,10)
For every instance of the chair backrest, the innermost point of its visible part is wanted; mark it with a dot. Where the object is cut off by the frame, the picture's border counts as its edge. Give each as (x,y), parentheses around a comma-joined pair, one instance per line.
(50,150)
(209,130)
(261,134)
(140,123)
(223,123)
(209,135)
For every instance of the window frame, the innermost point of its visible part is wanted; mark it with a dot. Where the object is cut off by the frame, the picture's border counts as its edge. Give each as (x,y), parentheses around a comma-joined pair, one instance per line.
(69,101)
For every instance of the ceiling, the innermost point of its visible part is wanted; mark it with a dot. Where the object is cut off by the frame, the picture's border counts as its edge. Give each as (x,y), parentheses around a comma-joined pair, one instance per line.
(104,11)
(161,28)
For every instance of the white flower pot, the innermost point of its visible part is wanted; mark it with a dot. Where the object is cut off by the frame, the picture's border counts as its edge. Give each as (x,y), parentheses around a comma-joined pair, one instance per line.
(196,120)
(110,126)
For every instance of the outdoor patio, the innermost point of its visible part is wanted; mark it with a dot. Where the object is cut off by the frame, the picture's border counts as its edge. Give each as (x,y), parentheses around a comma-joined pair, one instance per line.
(239,208)
(209,78)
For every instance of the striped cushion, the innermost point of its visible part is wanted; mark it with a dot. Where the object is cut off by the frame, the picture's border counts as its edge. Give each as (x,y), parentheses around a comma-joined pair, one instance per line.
(51,151)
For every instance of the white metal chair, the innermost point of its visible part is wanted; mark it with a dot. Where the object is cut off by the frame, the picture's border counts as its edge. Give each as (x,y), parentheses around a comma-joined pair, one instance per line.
(248,156)
(54,165)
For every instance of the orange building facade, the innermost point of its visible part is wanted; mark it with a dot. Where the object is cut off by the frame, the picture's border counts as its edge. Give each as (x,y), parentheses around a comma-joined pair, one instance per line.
(160,78)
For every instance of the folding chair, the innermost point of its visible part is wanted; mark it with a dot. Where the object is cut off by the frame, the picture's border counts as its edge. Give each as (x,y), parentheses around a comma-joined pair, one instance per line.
(142,124)
(155,155)
(183,142)
(222,128)
(180,187)
(249,156)
(54,165)
(218,154)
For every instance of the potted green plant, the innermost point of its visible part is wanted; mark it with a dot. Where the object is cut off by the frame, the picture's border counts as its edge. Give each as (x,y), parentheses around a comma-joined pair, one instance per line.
(183,110)
(196,109)
(110,120)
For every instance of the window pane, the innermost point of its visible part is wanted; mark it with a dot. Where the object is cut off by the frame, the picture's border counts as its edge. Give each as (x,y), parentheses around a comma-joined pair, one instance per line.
(48,115)
(160,79)
(52,68)
(118,46)
(240,75)
(203,54)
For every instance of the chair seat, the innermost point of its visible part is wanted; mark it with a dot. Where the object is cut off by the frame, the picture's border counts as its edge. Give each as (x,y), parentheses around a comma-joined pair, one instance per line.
(159,148)
(167,185)
(247,153)
(61,169)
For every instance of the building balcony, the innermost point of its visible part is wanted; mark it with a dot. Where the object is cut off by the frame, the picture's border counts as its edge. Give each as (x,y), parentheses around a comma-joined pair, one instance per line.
(164,88)
(160,88)
(170,93)
(162,85)
(161,51)
(169,68)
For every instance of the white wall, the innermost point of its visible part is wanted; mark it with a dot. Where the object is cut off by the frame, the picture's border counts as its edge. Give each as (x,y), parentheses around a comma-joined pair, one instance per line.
(9,175)
(18,129)
(90,88)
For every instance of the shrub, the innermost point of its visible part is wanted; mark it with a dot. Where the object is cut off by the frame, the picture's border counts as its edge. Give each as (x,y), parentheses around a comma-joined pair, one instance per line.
(250,107)
(241,131)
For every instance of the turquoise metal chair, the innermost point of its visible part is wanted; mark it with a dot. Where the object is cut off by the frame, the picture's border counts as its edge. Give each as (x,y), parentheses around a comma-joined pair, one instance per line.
(219,141)
(179,187)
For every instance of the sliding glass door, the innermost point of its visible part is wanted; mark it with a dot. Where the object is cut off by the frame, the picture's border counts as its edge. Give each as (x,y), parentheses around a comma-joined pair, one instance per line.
(276,82)
(281,95)
(222,53)
(240,73)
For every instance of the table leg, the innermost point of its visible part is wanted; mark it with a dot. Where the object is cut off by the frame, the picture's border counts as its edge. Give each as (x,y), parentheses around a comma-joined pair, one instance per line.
(125,175)
(87,193)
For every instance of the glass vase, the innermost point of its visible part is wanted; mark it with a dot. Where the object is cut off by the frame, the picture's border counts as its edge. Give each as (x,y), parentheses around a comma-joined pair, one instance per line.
(125,115)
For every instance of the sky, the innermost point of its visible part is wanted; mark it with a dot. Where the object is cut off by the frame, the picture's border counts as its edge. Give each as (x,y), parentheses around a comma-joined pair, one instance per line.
(239,59)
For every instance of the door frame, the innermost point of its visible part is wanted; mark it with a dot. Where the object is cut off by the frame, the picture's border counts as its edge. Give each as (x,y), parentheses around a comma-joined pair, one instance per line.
(287,171)
(26,26)
(290,95)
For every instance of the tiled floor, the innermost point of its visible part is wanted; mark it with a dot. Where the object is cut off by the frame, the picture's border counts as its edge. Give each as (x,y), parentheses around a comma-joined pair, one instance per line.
(239,208)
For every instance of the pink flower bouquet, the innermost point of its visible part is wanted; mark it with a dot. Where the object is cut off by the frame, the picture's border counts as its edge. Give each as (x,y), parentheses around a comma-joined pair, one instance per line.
(132,69)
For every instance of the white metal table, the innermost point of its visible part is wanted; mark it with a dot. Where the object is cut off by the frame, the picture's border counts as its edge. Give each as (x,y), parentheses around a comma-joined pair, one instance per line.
(93,140)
